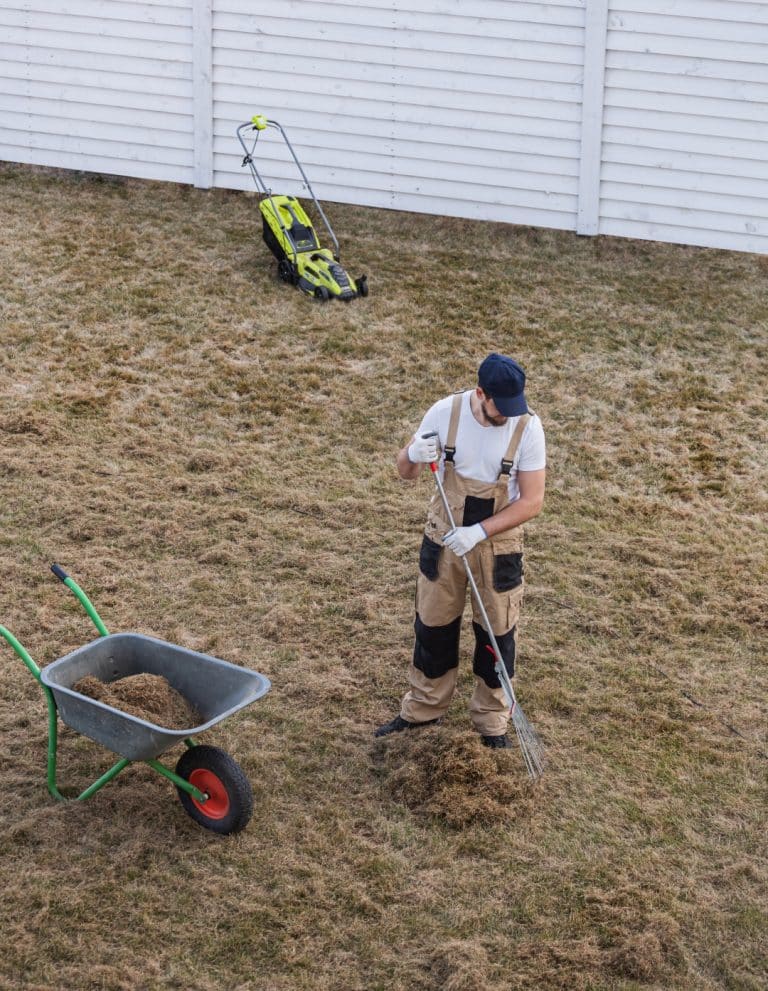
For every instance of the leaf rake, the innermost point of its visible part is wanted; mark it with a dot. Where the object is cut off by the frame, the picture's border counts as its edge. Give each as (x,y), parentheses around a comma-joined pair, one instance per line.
(528,740)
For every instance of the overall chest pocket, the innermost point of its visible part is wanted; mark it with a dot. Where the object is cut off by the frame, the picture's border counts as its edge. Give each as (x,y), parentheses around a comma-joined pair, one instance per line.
(476,510)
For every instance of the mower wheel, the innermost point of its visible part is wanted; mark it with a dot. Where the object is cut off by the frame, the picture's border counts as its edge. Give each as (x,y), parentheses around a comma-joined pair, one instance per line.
(322,294)
(229,805)
(362,285)
(285,271)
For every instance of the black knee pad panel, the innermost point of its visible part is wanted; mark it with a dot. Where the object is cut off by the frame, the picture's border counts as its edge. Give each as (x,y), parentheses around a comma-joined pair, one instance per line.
(436,650)
(484,664)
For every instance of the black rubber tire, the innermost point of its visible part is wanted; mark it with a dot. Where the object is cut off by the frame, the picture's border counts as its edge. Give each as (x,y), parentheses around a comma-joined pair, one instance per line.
(234,805)
(285,271)
(322,294)
(362,285)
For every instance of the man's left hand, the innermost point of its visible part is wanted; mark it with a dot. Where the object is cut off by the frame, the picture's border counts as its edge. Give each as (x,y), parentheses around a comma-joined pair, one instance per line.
(463,538)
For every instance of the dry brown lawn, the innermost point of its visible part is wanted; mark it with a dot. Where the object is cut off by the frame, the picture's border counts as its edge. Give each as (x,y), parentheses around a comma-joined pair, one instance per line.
(211,456)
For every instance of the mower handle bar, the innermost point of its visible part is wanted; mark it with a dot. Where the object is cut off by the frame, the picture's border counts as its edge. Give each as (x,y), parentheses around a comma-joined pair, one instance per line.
(259,123)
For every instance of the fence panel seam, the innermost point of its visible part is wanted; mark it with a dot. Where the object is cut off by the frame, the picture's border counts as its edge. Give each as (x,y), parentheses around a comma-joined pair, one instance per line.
(593,95)
(202,89)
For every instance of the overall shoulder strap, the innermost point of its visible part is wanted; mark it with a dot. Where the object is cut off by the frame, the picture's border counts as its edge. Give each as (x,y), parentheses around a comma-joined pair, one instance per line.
(453,426)
(514,443)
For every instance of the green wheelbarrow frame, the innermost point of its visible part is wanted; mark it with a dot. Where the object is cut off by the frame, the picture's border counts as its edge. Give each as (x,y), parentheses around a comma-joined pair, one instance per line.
(197,798)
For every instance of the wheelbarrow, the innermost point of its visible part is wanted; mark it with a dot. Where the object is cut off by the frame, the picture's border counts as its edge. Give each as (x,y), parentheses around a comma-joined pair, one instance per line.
(211,785)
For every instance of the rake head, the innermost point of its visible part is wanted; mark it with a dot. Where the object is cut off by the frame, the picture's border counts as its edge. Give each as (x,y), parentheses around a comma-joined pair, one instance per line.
(530,745)
(528,740)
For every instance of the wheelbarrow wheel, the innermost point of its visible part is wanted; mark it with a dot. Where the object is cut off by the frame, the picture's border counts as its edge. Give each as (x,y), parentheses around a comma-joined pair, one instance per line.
(229,806)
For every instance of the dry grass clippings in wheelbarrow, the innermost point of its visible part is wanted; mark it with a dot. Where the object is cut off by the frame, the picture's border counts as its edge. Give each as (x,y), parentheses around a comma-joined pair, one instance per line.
(146,696)
(451,775)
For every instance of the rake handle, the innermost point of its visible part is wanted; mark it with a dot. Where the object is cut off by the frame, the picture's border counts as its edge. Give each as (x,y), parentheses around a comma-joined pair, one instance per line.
(500,667)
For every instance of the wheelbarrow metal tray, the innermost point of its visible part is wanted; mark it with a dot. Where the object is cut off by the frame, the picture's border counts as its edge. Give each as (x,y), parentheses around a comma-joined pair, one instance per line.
(214,687)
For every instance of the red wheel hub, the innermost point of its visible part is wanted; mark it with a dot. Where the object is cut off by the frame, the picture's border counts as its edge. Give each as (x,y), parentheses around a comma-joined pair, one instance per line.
(217,805)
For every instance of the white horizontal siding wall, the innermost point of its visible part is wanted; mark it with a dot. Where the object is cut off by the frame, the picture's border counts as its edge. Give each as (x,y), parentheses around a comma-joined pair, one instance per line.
(462,108)
(98,85)
(640,118)
(685,131)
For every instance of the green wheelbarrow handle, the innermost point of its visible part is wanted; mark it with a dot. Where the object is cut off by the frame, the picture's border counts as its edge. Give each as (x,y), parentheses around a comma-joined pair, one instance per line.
(85,602)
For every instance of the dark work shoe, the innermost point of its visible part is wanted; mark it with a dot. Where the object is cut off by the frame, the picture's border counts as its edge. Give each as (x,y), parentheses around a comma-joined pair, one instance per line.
(497,742)
(398,724)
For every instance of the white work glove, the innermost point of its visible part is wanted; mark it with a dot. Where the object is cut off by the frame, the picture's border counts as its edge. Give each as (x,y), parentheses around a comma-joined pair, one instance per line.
(423,450)
(463,538)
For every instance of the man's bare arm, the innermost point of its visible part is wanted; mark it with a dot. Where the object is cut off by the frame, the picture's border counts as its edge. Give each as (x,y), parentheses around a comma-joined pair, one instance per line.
(531,485)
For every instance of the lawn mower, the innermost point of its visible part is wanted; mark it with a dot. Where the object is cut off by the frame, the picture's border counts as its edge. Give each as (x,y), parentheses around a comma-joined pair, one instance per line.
(290,236)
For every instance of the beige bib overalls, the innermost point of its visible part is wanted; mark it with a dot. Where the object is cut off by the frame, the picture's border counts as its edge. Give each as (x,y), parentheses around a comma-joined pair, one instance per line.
(497,567)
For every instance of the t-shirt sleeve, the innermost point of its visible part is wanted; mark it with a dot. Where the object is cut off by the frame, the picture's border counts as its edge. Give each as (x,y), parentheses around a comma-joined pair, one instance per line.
(533,448)
(434,420)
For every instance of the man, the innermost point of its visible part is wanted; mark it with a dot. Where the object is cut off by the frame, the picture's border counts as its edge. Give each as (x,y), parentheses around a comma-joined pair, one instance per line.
(493,466)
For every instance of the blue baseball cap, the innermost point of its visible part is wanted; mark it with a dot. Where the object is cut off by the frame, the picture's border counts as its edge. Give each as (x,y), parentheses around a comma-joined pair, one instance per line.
(503,381)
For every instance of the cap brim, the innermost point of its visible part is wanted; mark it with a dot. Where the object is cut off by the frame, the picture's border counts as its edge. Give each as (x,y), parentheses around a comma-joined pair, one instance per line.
(511,405)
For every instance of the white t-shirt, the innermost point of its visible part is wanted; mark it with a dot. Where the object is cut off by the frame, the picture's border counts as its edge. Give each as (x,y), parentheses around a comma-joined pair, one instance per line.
(479,449)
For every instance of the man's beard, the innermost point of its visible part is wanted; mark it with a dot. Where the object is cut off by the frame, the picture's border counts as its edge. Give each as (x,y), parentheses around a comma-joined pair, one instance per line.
(496,421)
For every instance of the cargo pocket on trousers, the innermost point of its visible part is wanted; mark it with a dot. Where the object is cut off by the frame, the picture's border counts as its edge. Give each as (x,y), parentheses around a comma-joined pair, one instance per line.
(429,558)
(507,572)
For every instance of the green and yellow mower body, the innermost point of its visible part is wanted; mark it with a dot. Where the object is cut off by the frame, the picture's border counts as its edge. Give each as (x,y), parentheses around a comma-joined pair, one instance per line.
(290,236)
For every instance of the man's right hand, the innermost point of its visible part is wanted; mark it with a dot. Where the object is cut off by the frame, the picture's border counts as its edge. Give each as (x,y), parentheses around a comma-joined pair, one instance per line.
(423,450)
